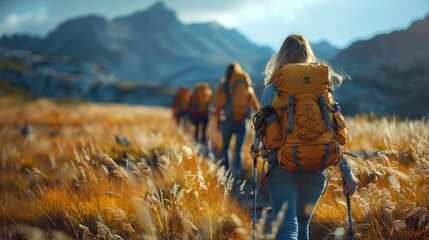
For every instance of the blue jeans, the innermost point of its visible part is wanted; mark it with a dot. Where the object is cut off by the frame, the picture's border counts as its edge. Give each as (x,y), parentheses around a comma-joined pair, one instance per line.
(228,129)
(300,191)
(201,125)
(182,119)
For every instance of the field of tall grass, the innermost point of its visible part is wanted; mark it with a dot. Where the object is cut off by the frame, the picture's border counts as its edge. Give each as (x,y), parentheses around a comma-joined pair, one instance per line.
(93,171)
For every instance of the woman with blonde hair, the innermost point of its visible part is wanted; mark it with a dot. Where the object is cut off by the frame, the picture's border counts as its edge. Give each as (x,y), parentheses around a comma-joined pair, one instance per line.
(235,100)
(297,191)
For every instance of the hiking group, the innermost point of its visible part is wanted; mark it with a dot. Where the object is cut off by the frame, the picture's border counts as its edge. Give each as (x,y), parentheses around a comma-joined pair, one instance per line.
(299,129)
(194,107)
(233,104)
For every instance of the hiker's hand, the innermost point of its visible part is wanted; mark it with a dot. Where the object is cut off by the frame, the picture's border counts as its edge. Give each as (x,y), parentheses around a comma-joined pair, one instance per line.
(336,108)
(349,186)
(254,152)
(350,182)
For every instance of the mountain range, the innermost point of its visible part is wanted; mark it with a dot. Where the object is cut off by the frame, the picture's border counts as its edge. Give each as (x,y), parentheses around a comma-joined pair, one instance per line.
(64,78)
(390,72)
(150,46)
(153,48)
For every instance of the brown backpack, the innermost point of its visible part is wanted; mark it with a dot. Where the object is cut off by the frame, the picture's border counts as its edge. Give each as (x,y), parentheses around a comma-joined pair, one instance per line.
(182,99)
(306,133)
(238,96)
(201,97)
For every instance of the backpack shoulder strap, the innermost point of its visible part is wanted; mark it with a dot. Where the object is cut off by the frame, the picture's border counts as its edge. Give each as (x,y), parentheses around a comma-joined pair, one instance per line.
(238,82)
(226,86)
(290,109)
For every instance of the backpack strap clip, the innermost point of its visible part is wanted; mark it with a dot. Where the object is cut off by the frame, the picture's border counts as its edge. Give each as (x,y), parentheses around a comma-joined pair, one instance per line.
(284,108)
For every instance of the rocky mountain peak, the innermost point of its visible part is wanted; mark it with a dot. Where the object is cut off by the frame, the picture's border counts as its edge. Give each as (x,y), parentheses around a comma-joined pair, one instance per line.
(157,13)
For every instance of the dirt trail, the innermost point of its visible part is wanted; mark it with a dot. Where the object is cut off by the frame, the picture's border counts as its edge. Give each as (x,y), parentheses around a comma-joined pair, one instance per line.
(245,198)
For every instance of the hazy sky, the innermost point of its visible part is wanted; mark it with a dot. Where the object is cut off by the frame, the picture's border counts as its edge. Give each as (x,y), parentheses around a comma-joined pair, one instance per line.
(265,22)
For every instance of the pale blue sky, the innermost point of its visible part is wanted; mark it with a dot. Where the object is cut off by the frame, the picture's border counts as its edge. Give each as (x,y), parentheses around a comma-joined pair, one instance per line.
(265,22)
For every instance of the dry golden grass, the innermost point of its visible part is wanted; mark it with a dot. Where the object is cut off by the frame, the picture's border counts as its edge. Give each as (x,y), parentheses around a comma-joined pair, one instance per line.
(70,177)
(393,173)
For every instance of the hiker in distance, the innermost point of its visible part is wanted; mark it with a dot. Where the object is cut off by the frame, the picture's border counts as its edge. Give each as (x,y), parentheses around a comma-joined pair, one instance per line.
(181,107)
(303,130)
(234,102)
(199,110)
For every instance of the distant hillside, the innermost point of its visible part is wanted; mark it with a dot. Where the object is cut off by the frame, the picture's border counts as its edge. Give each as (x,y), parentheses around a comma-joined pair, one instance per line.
(324,50)
(150,46)
(64,78)
(390,72)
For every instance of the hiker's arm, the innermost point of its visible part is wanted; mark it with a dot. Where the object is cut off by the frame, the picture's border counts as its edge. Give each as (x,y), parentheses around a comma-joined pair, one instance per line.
(220,101)
(209,96)
(257,143)
(266,99)
(268,95)
(255,102)
(350,182)
(255,148)
(174,106)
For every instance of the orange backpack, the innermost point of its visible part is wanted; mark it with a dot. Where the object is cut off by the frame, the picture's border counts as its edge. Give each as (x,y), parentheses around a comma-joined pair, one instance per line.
(200,101)
(182,99)
(307,134)
(238,96)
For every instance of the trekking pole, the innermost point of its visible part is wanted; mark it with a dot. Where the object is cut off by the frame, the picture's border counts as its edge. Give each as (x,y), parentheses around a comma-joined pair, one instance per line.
(255,177)
(211,144)
(349,213)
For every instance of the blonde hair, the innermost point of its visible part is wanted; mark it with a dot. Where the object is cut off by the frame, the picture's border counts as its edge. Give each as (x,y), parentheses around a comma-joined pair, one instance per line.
(296,49)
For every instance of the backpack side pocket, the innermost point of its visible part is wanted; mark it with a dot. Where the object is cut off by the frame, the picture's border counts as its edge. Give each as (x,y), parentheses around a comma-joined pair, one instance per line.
(273,132)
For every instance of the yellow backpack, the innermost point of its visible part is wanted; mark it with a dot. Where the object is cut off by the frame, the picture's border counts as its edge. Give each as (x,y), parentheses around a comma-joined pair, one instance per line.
(306,132)
(201,97)
(238,96)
